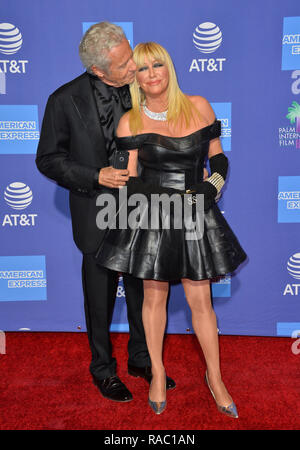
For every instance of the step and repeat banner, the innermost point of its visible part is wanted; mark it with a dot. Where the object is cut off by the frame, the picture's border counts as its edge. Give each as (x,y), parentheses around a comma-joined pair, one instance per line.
(244,57)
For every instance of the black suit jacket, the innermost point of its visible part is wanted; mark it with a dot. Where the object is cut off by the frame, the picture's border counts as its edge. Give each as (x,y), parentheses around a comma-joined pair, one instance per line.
(71,151)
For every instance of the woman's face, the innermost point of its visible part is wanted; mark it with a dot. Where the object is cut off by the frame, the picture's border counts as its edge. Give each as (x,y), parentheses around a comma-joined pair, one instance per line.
(153,77)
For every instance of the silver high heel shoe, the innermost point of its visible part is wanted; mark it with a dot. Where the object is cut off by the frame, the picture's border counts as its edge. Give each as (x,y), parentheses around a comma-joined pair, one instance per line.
(229,410)
(157,407)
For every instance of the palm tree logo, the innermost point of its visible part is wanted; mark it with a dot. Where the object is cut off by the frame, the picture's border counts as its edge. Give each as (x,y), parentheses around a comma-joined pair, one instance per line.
(294,116)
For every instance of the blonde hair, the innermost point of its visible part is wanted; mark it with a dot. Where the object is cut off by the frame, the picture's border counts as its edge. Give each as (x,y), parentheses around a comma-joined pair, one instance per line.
(180,109)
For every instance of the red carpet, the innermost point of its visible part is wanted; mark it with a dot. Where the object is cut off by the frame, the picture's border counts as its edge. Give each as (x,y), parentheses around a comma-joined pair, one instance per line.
(45,385)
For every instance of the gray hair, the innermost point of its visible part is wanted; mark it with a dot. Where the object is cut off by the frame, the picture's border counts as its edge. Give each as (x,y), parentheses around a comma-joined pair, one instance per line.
(97,42)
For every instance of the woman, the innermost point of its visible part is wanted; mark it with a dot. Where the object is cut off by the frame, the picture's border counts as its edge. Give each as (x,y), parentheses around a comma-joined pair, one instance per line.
(171,134)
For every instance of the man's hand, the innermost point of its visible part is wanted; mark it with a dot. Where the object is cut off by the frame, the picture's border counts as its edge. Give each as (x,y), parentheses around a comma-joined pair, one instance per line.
(113,178)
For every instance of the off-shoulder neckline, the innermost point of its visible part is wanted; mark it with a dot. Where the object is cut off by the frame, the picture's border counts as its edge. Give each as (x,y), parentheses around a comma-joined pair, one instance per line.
(170,137)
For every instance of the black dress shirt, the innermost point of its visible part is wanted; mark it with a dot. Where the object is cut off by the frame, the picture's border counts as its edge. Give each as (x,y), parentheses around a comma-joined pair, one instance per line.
(112,103)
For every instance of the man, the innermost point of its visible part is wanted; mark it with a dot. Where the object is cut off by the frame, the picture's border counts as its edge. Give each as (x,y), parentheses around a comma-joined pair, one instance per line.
(75,149)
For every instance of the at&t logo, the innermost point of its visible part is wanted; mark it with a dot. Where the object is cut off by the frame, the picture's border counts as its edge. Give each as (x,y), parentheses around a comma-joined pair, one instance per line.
(10,43)
(207,38)
(18,196)
(293,268)
(11,39)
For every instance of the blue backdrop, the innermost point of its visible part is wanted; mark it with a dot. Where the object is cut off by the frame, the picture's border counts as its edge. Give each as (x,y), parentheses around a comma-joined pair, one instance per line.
(251,76)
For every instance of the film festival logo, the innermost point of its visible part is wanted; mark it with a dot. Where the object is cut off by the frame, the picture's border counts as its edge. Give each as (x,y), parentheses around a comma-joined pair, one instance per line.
(207,38)
(294,117)
(11,41)
(290,136)
(18,196)
(293,268)
(136,211)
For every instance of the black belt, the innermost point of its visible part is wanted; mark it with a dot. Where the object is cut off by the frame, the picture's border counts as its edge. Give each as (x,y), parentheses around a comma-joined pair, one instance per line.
(180,180)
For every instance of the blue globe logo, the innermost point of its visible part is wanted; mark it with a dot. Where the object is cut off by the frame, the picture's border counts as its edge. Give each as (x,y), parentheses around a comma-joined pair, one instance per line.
(18,195)
(207,37)
(10,39)
(293,266)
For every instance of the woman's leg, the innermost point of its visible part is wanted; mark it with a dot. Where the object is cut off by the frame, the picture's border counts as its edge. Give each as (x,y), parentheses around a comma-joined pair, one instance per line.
(154,320)
(205,326)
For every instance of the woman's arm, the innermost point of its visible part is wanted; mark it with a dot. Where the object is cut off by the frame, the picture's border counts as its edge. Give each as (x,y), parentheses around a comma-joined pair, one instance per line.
(123,130)
(218,162)
(206,111)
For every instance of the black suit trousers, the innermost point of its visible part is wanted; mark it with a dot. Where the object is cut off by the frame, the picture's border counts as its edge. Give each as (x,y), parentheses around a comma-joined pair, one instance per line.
(100,288)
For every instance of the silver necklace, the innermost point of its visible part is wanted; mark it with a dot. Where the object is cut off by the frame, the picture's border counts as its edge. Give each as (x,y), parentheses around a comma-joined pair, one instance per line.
(154,115)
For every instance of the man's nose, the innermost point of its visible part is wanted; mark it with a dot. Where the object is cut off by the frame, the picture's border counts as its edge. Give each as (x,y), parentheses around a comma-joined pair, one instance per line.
(133,66)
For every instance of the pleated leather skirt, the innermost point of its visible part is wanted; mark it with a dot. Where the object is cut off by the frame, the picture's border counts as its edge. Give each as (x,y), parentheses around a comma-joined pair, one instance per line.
(170,253)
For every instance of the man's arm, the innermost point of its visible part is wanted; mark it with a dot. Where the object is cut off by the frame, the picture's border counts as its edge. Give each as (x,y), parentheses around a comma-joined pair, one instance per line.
(53,156)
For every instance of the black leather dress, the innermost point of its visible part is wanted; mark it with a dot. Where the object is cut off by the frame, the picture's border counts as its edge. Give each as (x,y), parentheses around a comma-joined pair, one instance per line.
(165,253)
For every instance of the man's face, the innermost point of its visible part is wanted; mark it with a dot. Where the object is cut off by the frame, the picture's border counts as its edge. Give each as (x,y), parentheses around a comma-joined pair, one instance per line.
(122,67)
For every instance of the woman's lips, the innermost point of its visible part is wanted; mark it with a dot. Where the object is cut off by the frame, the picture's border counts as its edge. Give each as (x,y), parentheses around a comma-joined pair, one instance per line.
(153,83)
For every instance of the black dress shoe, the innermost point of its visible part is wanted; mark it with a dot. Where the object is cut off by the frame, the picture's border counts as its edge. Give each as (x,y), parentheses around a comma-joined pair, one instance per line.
(145,372)
(113,389)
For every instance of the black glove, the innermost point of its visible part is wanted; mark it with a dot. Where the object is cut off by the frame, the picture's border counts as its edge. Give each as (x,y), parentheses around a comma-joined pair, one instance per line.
(212,186)
(219,163)
(208,190)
